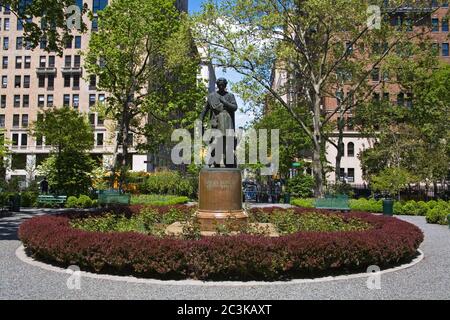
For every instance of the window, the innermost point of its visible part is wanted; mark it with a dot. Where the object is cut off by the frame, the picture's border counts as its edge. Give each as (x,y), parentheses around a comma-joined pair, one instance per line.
(351,175)
(27,64)
(5,63)
(92,82)
(39,141)
(350,149)
(76,101)
(94,26)
(15,139)
(77,61)
(100,120)
(41,81)
(26,81)
(78,42)
(350,124)
(92,100)
(341,174)
(24,121)
(16,120)
(3,101)
(6,24)
(66,81)
(19,43)
(50,82)
(434,3)
(43,43)
(25,101)
(50,100)
(101,98)
(69,43)
(409,100)
(76,81)
(2,120)
(99,139)
(5,43)
(4,81)
(7,9)
(24,140)
(92,119)
(17,81)
(444,25)
(386,96)
(16,101)
(18,62)
(445,50)
(51,61)
(68,61)
(376,74)
(400,99)
(66,100)
(98,5)
(42,61)
(41,100)
(434,25)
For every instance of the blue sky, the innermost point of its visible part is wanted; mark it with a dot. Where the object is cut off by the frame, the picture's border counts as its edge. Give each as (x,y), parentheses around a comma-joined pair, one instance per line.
(241,118)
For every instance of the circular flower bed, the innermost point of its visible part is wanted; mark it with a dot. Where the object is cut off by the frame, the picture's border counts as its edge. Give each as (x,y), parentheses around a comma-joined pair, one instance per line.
(381,241)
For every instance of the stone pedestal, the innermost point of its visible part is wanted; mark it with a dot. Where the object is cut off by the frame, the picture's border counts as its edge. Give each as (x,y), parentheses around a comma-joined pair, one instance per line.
(220,198)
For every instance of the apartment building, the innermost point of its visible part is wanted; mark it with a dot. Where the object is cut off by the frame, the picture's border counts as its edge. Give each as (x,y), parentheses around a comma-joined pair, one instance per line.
(33,80)
(354,143)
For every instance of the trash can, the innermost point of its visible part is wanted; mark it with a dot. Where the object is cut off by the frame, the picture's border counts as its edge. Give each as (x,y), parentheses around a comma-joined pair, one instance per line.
(287,198)
(14,203)
(388,207)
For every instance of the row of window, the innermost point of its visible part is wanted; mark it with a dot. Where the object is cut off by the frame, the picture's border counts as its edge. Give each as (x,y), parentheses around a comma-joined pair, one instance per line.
(97,5)
(68,100)
(21,139)
(435,25)
(23,120)
(349,175)
(44,62)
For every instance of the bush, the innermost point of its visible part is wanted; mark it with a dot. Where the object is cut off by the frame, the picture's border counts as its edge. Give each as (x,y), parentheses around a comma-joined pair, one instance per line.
(82,202)
(303,203)
(439,213)
(157,200)
(29,199)
(301,186)
(72,202)
(169,183)
(369,205)
(388,242)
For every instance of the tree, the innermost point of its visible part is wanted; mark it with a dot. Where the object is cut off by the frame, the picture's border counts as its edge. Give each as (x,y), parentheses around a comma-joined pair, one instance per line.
(392,181)
(144,58)
(415,137)
(317,47)
(69,166)
(48,20)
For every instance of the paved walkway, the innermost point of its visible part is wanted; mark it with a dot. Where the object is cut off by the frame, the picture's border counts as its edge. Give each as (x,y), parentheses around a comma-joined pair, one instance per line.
(429,279)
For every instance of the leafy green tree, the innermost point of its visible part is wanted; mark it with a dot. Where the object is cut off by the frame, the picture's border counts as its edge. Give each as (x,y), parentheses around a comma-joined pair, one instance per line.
(69,167)
(301,186)
(316,47)
(392,180)
(145,60)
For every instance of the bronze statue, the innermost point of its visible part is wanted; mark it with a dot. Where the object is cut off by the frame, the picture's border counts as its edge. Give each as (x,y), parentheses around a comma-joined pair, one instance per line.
(221,106)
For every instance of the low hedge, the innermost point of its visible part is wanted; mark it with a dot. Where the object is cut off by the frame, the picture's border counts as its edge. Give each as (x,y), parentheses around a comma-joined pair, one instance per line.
(241,257)
(435,211)
(158,200)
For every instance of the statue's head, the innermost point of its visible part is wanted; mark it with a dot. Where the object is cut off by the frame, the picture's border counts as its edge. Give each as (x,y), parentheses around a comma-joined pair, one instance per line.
(222,83)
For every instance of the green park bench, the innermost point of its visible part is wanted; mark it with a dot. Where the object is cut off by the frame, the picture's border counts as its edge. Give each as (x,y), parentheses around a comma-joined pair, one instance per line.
(51,200)
(107,197)
(338,202)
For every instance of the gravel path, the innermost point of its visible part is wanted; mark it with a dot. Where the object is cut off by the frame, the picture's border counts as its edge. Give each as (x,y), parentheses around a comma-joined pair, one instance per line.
(429,279)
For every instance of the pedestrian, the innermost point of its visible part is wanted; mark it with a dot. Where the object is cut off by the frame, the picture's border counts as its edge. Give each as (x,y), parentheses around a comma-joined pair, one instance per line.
(44,186)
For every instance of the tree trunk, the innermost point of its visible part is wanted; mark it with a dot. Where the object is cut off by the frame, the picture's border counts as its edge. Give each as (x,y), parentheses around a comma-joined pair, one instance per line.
(340,149)
(317,152)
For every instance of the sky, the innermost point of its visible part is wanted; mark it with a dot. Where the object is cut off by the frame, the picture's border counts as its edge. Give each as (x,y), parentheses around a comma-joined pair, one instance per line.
(231,76)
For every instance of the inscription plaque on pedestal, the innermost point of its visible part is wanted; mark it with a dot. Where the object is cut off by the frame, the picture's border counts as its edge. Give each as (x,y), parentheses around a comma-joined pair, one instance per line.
(220,198)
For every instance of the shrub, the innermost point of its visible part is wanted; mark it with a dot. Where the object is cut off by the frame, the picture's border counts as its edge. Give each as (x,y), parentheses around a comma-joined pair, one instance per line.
(157,200)
(72,202)
(301,186)
(437,215)
(303,203)
(168,183)
(369,205)
(388,242)
(84,202)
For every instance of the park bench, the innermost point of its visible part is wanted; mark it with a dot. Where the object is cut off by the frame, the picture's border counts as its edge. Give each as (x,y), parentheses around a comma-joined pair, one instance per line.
(338,202)
(51,200)
(107,197)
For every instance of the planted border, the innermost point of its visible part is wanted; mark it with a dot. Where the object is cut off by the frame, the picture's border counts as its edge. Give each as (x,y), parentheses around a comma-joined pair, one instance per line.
(243,257)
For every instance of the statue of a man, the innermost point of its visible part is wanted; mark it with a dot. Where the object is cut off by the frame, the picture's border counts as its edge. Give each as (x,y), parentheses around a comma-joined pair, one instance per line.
(221,106)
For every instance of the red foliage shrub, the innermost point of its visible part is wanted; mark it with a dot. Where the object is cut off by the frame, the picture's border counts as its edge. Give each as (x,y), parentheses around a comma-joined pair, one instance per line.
(242,257)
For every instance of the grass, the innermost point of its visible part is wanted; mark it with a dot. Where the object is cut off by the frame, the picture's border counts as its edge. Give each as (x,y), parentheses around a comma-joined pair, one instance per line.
(158,200)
